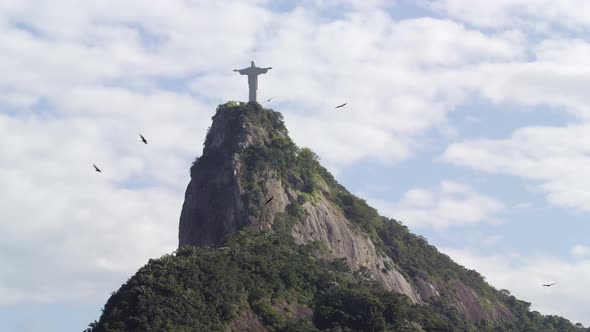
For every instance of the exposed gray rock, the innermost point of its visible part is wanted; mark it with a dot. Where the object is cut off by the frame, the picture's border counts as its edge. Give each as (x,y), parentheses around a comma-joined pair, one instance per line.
(470,305)
(213,206)
(325,223)
(426,290)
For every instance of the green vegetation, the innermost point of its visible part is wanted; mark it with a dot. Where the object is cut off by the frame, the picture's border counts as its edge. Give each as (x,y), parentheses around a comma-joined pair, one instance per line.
(206,289)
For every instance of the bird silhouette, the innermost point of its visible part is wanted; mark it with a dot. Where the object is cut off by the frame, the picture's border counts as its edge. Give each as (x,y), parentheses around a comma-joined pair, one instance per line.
(269,200)
(269,99)
(97,169)
(549,285)
(341,105)
(143,139)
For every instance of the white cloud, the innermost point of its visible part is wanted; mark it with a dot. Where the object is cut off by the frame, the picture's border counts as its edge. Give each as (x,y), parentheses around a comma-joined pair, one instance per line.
(563,51)
(529,84)
(346,4)
(581,251)
(398,109)
(492,240)
(92,46)
(537,15)
(555,157)
(523,276)
(62,222)
(450,204)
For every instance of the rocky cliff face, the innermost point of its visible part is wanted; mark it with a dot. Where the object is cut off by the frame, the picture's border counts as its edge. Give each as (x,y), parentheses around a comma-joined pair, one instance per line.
(214,203)
(226,193)
(326,224)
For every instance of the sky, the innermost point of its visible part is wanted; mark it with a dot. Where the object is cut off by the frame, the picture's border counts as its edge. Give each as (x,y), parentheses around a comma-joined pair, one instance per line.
(467,120)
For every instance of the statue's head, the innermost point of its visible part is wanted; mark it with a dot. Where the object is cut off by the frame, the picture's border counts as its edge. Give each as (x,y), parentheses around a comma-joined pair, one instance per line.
(252,64)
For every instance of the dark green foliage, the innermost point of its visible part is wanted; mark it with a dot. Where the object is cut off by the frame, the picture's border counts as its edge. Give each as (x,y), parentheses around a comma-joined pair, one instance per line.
(270,317)
(176,292)
(296,210)
(354,308)
(358,211)
(204,289)
(291,164)
(307,162)
(303,325)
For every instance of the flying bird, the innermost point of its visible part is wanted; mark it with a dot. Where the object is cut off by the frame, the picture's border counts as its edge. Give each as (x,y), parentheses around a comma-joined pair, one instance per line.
(549,285)
(97,169)
(341,105)
(143,139)
(269,200)
(268,99)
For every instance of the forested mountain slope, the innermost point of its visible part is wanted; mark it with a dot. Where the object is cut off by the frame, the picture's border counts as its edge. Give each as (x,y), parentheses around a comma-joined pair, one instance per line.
(269,241)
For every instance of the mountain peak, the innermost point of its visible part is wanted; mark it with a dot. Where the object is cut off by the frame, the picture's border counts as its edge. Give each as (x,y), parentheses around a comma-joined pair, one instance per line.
(269,241)
(237,125)
(215,199)
(252,174)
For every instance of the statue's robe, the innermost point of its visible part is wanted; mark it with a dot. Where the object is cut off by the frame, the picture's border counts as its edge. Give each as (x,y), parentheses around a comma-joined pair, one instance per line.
(252,73)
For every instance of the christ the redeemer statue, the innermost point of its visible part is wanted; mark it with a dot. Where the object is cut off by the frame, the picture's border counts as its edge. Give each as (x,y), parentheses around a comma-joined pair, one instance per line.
(252,73)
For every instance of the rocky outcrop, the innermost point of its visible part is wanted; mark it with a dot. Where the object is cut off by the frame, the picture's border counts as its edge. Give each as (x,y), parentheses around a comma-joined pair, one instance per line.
(214,202)
(216,205)
(471,306)
(247,321)
(293,311)
(212,205)
(325,223)
(426,290)
(468,303)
